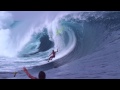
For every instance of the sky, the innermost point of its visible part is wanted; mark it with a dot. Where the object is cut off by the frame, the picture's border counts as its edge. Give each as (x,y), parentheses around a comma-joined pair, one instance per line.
(23,14)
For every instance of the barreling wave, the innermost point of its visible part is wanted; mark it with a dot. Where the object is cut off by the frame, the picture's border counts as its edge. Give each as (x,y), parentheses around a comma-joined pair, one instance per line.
(74,34)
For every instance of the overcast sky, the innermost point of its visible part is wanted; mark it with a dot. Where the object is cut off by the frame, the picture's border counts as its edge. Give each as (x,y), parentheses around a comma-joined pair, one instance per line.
(25,14)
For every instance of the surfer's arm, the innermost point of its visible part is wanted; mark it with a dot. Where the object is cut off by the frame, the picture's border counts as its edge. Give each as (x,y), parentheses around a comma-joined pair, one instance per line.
(28,74)
(50,54)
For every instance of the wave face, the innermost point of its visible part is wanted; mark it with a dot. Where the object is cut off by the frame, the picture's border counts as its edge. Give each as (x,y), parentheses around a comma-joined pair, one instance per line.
(75,34)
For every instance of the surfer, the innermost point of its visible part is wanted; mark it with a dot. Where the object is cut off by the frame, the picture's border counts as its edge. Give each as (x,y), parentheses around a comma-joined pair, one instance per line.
(53,55)
(41,74)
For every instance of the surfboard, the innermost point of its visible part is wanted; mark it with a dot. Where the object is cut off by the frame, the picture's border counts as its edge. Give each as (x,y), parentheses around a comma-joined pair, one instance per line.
(46,60)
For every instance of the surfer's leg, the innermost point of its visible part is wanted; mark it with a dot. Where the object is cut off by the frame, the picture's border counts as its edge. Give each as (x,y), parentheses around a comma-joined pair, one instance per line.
(52,57)
(49,59)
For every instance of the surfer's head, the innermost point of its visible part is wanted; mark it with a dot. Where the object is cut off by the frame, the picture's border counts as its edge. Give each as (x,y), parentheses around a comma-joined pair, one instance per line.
(41,75)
